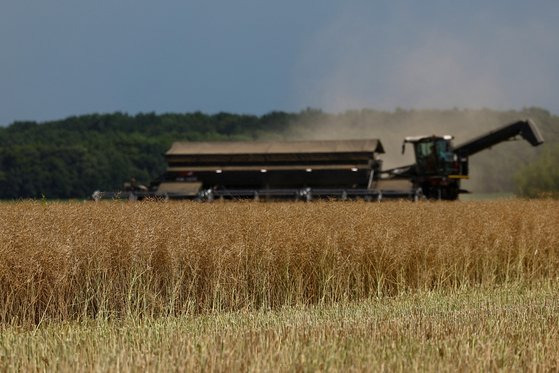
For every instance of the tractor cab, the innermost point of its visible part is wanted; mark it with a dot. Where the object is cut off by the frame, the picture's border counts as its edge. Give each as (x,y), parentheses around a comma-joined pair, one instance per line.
(434,155)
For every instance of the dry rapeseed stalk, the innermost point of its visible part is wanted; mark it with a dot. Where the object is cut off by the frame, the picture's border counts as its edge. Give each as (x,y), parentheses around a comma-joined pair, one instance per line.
(73,260)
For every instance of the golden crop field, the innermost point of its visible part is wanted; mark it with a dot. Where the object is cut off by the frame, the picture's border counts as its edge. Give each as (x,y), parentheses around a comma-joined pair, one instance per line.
(276,276)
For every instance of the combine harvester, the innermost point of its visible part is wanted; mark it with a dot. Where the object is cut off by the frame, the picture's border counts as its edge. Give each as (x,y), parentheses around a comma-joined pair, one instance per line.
(307,170)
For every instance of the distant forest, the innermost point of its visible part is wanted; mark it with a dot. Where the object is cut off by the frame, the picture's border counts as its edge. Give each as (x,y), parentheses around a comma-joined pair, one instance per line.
(71,158)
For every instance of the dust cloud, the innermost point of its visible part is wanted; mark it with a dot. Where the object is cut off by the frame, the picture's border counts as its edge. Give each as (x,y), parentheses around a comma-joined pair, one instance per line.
(491,170)
(354,62)
(445,80)
(392,127)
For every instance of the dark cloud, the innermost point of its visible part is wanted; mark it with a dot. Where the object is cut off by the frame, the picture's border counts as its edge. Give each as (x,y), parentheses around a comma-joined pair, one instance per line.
(62,57)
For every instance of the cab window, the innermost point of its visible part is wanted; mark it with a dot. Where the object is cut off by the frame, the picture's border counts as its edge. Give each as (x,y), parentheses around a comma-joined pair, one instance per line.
(424,149)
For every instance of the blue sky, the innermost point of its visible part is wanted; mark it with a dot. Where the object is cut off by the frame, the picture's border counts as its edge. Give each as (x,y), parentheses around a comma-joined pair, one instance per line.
(70,57)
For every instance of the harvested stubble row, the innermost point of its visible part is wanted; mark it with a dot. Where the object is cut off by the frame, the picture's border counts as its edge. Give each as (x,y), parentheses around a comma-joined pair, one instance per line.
(61,261)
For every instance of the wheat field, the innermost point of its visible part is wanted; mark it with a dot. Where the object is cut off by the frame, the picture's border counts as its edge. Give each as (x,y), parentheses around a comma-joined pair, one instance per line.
(79,270)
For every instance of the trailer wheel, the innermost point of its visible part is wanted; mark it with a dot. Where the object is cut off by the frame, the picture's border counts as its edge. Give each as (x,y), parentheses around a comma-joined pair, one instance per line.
(418,195)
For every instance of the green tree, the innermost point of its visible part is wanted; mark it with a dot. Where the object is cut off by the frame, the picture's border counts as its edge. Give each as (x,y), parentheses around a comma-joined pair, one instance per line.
(541,177)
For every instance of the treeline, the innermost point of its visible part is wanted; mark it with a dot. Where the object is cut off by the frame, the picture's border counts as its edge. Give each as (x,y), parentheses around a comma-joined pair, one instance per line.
(540,178)
(72,157)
